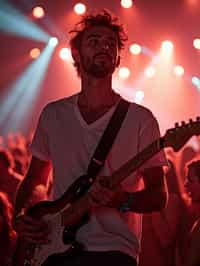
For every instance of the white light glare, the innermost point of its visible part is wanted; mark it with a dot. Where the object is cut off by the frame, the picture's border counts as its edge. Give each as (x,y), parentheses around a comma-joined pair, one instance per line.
(167,47)
(179,70)
(124,72)
(196,82)
(126,3)
(53,41)
(196,43)
(139,96)
(135,49)
(65,54)
(79,8)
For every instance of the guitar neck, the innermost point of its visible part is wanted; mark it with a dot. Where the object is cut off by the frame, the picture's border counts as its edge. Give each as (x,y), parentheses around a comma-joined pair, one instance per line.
(134,163)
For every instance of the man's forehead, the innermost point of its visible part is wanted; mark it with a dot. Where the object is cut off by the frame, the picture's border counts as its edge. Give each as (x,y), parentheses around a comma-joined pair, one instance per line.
(100,31)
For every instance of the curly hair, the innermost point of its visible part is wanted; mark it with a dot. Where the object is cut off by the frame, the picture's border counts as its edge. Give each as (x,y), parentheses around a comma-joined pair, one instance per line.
(103,18)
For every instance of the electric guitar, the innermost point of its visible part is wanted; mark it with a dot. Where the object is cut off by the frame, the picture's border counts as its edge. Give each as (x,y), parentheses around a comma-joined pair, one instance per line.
(64,214)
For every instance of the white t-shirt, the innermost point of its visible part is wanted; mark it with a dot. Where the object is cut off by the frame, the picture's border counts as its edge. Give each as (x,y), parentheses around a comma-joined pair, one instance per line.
(63,137)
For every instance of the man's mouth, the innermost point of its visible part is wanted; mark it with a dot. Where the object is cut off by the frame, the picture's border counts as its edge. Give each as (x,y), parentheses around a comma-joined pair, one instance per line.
(102,55)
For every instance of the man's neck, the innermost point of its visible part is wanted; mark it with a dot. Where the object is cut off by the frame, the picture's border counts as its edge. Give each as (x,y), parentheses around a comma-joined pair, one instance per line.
(96,93)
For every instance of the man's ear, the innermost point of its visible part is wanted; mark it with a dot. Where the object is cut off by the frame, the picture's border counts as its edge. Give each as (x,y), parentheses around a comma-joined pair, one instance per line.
(118,61)
(75,54)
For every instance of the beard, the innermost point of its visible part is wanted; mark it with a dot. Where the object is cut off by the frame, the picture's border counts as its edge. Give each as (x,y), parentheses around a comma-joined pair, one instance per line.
(98,68)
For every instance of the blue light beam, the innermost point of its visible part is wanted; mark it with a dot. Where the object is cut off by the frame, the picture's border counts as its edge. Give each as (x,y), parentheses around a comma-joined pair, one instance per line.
(14,22)
(19,101)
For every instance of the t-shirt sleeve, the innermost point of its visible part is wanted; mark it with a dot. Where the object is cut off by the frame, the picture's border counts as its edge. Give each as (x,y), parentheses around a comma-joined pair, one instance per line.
(40,143)
(149,133)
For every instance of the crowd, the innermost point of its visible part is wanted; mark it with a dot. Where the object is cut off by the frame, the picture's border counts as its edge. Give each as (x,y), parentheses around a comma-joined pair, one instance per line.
(14,162)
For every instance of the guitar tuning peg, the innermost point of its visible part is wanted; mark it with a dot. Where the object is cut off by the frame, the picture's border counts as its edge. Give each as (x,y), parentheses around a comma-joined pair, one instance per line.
(198,118)
(176,124)
(190,120)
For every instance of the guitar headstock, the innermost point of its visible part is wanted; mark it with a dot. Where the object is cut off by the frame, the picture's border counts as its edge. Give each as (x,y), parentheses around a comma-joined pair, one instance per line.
(177,137)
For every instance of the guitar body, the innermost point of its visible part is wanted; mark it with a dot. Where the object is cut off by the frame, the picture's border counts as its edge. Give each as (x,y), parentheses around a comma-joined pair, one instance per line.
(62,231)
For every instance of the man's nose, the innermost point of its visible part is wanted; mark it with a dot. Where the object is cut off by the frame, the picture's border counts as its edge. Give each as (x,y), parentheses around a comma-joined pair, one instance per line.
(105,46)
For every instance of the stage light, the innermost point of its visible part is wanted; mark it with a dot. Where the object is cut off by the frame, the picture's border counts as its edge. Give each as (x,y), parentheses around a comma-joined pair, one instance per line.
(79,9)
(38,12)
(196,82)
(25,89)
(53,41)
(150,72)
(196,43)
(34,53)
(124,72)
(12,21)
(167,47)
(139,96)
(126,3)
(65,54)
(179,70)
(135,49)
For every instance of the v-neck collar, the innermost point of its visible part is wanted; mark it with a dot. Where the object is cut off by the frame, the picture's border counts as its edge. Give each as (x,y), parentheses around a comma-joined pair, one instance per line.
(98,121)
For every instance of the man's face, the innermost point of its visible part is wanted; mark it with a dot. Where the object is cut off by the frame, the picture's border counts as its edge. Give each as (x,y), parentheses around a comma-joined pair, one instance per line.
(98,55)
(192,185)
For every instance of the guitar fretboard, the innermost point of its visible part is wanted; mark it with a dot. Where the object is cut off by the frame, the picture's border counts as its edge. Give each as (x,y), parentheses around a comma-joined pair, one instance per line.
(135,162)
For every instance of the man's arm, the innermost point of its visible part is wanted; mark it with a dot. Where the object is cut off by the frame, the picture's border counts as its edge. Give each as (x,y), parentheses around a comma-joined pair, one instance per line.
(154,196)
(37,174)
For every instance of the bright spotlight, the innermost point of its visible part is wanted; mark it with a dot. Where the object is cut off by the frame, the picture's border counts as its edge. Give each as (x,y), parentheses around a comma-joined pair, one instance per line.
(196,43)
(135,49)
(167,47)
(38,12)
(53,41)
(150,72)
(79,9)
(196,82)
(65,54)
(126,3)
(139,96)
(34,53)
(124,72)
(179,71)
(12,21)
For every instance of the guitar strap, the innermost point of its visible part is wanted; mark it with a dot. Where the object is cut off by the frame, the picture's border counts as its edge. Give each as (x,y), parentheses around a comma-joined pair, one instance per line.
(98,159)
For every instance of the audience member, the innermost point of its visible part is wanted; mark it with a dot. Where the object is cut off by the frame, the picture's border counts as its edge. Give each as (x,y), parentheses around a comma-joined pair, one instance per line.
(161,230)
(9,179)
(7,234)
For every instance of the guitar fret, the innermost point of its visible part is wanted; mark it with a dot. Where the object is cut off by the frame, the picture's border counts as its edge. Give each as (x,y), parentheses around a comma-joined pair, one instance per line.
(135,162)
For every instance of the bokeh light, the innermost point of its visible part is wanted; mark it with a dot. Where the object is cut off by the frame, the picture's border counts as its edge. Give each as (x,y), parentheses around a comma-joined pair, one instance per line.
(53,41)
(196,43)
(135,49)
(65,54)
(126,3)
(38,12)
(79,9)
(179,70)
(139,96)
(167,47)
(35,53)
(124,72)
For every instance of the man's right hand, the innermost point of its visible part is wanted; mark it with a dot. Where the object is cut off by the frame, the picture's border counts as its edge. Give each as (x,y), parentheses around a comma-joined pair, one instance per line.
(31,230)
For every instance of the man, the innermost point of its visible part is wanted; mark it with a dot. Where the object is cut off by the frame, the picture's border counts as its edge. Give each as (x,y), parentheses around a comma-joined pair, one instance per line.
(66,137)
(192,186)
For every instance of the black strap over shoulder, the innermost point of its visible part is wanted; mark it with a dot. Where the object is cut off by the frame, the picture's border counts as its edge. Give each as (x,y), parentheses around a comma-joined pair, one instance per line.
(98,159)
